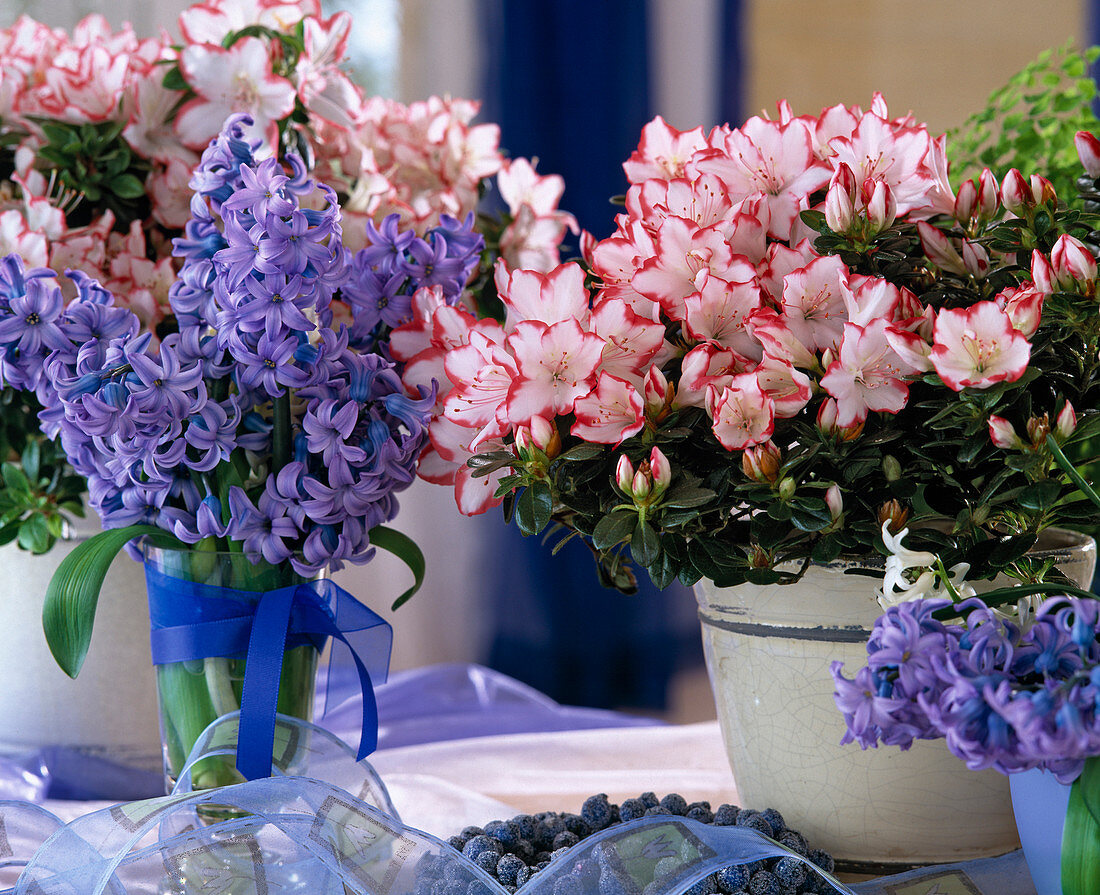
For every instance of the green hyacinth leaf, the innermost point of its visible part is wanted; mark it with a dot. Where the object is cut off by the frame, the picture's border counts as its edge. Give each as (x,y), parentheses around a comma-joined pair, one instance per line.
(406,550)
(72,596)
(1081,835)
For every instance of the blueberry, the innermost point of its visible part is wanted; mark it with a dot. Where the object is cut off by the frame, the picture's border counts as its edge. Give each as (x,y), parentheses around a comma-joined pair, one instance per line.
(477,887)
(726,815)
(822,859)
(455,871)
(471,832)
(631,809)
(424,886)
(658,810)
(764,883)
(542,858)
(674,803)
(754,821)
(457,843)
(439,887)
(700,811)
(488,860)
(795,841)
(650,799)
(705,886)
(596,810)
(732,879)
(508,868)
(577,825)
(506,831)
(790,872)
(526,824)
(546,829)
(568,885)
(480,844)
(523,874)
(613,882)
(566,840)
(775,819)
(524,850)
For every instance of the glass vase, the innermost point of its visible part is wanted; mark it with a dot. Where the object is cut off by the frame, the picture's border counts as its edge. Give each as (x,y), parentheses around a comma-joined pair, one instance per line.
(193,693)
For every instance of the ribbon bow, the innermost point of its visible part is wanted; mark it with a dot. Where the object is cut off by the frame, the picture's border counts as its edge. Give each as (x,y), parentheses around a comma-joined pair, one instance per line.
(191,621)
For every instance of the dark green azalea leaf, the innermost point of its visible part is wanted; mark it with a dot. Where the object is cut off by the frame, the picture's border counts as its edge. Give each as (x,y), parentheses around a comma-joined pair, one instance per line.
(73,593)
(644,544)
(406,550)
(684,496)
(613,529)
(534,507)
(1040,496)
(583,452)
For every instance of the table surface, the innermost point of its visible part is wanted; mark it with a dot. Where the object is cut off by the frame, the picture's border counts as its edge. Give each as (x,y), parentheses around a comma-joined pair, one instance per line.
(461,745)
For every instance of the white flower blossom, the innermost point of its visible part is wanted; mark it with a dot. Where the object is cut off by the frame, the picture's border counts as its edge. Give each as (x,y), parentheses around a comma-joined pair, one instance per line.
(913,574)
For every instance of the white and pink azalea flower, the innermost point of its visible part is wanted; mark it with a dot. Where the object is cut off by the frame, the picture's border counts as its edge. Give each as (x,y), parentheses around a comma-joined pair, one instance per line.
(867,375)
(976,347)
(741,414)
(610,413)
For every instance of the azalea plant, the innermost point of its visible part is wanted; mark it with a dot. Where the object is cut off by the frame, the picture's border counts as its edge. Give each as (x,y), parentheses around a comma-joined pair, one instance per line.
(100,131)
(799,330)
(1006,689)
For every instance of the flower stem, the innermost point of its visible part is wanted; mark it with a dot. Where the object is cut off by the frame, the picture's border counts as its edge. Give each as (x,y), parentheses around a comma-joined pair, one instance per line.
(1069,469)
(280,432)
(216,671)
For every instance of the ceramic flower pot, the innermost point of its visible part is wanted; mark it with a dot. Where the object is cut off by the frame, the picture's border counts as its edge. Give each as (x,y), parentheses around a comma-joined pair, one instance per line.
(195,691)
(768,650)
(41,706)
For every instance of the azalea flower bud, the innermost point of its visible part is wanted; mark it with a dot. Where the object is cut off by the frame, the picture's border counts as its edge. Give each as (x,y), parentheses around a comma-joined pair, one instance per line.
(540,435)
(759,558)
(826,422)
(1042,274)
(976,259)
(939,250)
(1073,265)
(642,483)
(966,205)
(1066,421)
(624,474)
(839,210)
(988,196)
(893,514)
(891,468)
(761,462)
(786,488)
(1015,194)
(1042,190)
(834,501)
(1038,428)
(658,394)
(660,470)
(1088,151)
(881,206)
(1003,433)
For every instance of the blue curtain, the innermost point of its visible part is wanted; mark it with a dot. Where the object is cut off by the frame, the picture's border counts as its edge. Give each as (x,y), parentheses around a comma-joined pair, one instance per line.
(568,82)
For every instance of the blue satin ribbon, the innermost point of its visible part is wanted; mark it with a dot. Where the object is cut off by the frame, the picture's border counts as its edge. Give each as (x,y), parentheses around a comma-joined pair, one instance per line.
(196,621)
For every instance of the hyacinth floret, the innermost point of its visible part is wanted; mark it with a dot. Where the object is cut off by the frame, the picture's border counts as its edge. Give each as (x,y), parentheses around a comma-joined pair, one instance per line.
(394,264)
(1002,696)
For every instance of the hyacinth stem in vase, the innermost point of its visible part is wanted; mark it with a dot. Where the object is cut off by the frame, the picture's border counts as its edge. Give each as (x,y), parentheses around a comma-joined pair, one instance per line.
(194,692)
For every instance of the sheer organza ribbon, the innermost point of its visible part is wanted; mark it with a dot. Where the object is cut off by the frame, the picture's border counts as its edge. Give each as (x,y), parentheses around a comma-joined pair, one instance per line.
(300,832)
(192,621)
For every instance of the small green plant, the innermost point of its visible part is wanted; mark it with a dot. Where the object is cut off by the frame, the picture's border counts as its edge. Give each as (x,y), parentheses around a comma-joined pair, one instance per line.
(1029,123)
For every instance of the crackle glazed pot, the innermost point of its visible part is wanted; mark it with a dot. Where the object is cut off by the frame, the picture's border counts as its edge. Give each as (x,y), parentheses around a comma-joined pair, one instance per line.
(110,710)
(768,651)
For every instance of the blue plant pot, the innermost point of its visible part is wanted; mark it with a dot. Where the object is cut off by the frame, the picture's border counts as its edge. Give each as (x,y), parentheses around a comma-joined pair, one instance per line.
(1039,802)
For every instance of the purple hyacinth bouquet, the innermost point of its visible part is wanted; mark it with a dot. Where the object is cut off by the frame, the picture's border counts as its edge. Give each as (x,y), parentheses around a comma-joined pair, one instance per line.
(1007,689)
(269,421)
